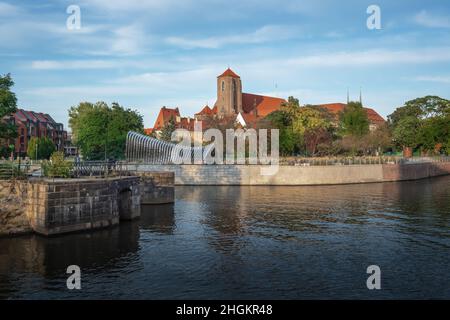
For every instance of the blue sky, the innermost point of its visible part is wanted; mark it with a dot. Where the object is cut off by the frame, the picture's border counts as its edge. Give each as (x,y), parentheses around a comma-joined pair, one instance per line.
(146,54)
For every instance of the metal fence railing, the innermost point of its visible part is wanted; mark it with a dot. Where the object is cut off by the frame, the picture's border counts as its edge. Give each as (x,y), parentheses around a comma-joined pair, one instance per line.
(17,169)
(329,161)
(98,169)
(78,169)
(13,169)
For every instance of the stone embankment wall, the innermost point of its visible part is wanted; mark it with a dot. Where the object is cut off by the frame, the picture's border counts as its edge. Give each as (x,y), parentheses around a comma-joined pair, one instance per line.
(296,175)
(415,171)
(13,219)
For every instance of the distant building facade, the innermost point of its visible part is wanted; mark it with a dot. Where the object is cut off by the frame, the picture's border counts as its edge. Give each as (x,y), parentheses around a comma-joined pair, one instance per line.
(32,124)
(70,150)
(245,108)
(335,109)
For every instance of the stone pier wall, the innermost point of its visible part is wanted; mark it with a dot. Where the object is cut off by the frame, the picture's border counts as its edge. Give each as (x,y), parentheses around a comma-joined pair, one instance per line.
(56,206)
(157,187)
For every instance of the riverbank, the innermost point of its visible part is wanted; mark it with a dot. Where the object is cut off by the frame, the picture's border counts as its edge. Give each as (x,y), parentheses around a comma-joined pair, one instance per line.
(13,219)
(198,175)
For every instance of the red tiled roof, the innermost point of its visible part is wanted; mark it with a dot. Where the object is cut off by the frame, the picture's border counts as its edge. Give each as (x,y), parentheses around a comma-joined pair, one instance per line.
(20,115)
(148,131)
(205,111)
(336,108)
(164,116)
(333,108)
(264,105)
(39,116)
(24,115)
(229,73)
(374,116)
(250,119)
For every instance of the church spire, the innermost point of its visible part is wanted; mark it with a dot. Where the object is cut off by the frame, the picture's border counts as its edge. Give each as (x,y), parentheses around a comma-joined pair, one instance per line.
(360,95)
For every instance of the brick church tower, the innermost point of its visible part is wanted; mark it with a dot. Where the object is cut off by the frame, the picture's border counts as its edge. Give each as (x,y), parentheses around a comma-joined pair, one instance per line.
(229,94)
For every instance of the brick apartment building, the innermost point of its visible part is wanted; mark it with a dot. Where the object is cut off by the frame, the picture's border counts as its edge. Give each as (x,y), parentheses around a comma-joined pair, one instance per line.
(35,124)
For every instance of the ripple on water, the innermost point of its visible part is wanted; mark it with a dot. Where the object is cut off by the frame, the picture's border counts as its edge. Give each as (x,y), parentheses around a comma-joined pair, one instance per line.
(252,243)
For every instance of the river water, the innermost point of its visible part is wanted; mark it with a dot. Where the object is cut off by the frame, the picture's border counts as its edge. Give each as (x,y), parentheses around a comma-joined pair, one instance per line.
(252,243)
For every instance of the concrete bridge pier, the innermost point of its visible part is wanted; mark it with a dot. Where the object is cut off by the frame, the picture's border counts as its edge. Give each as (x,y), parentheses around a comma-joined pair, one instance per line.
(157,187)
(129,202)
(56,206)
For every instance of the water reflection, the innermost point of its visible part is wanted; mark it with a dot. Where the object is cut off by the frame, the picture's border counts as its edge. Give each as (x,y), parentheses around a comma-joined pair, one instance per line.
(252,242)
(158,218)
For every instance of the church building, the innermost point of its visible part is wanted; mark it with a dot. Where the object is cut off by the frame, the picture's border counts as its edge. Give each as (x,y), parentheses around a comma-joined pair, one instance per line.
(244,108)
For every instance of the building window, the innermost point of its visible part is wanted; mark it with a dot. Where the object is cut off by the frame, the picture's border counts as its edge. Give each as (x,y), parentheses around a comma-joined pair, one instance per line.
(223,86)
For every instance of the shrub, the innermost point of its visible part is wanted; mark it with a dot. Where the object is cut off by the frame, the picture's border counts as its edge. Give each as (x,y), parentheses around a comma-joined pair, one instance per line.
(57,167)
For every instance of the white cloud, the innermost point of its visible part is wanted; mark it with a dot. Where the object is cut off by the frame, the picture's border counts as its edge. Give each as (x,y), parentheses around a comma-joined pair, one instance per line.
(429,20)
(7,9)
(177,78)
(372,57)
(133,5)
(264,34)
(126,40)
(146,84)
(440,79)
(129,40)
(72,64)
(92,92)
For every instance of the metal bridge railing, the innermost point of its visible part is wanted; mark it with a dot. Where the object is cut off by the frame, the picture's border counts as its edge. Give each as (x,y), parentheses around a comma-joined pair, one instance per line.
(98,169)
(13,169)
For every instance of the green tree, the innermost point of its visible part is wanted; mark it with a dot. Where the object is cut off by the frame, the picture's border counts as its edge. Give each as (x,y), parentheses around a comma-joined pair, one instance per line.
(429,121)
(378,141)
(281,120)
(302,129)
(167,130)
(120,122)
(406,132)
(8,106)
(291,107)
(312,127)
(100,131)
(40,147)
(421,108)
(446,147)
(353,120)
